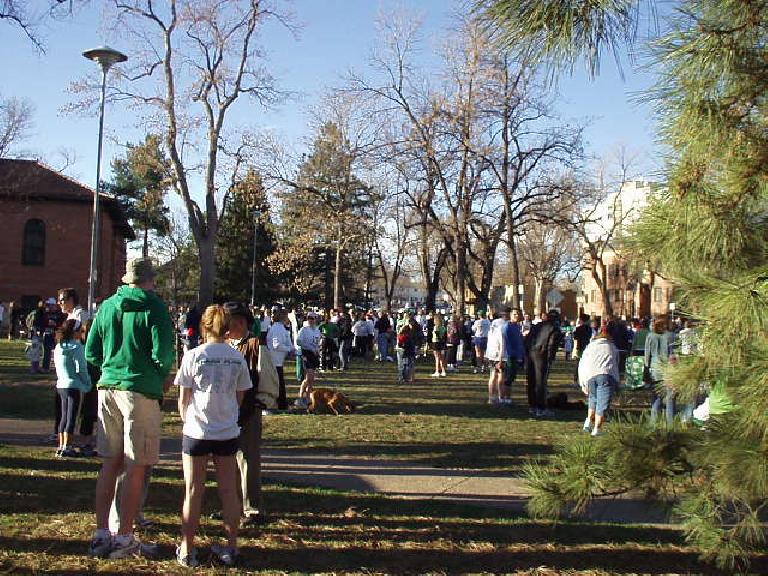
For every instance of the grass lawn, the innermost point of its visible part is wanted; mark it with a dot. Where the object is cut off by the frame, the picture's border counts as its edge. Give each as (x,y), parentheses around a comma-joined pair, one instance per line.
(45,524)
(46,505)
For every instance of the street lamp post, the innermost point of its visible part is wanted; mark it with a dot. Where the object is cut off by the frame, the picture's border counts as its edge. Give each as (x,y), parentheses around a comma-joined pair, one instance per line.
(256,215)
(105,57)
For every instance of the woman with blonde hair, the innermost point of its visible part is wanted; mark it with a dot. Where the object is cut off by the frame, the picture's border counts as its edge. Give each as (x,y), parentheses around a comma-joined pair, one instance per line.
(438,344)
(212,381)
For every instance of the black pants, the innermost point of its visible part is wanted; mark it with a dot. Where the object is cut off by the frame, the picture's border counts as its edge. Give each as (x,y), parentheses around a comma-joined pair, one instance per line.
(89,412)
(70,406)
(57,412)
(49,342)
(450,355)
(282,398)
(537,375)
(327,354)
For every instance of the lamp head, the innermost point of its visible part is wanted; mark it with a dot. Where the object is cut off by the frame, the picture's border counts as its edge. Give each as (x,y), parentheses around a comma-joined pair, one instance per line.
(105,56)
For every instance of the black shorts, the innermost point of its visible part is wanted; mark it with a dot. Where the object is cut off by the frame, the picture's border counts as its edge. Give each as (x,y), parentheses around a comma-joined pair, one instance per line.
(311,360)
(196,447)
(437,346)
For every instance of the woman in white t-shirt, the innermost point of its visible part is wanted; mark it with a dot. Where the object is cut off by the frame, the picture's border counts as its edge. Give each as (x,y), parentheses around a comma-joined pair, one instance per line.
(280,345)
(212,381)
(308,341)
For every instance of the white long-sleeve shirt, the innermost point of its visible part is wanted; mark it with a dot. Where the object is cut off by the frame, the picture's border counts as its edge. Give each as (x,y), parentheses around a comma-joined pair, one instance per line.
(279,343)
(599,357)
(309,338)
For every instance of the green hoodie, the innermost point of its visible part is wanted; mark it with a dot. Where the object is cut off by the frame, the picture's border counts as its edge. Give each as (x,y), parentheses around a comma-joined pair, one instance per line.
(132,342)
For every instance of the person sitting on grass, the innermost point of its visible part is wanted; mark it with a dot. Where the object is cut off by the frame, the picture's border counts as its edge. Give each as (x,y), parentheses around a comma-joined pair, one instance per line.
(72,381)
(212,380)
(598,378)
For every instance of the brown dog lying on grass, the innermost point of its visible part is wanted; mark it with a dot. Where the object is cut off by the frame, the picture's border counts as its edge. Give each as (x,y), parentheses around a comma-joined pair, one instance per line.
(332,400)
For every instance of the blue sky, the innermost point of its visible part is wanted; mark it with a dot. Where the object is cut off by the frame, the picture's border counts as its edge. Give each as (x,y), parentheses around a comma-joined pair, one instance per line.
(335,35)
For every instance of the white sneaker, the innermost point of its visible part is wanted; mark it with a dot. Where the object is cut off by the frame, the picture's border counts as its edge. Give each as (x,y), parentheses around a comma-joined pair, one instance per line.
(121,550)
(435,374)
(443,374)
(597,432)
(100,546)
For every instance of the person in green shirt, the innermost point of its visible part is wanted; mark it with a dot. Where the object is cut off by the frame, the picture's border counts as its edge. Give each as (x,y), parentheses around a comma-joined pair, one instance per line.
(329,343)
(131,341)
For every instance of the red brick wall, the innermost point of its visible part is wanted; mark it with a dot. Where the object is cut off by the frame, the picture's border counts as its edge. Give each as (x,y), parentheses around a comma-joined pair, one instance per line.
(67,249)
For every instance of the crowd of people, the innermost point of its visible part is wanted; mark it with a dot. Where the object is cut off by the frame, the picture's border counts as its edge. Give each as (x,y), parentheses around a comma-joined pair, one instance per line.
(112,372)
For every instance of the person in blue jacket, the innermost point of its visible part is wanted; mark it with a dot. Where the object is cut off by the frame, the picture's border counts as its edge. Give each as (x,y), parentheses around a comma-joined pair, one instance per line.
(515,349)
(72,381)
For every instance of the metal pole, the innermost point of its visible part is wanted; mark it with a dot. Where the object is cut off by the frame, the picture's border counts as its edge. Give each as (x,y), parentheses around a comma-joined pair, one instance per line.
(95,229)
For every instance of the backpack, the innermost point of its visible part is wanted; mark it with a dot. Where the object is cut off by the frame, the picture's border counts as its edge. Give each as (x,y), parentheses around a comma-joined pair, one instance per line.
(30,320)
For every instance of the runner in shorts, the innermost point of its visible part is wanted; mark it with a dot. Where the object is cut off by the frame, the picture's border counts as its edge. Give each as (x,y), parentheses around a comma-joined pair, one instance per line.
(480,329)
(133,379)
(213,380)
(308,340)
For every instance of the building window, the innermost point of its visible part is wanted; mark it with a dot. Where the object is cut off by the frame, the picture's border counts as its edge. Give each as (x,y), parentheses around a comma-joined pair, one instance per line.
(657,294)
(33,247)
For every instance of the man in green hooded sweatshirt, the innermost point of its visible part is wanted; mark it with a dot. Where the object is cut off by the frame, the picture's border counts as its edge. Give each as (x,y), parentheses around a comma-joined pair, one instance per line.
(131,340)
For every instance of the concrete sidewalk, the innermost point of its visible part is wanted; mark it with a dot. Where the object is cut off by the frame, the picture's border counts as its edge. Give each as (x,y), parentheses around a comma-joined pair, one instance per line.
(391,477)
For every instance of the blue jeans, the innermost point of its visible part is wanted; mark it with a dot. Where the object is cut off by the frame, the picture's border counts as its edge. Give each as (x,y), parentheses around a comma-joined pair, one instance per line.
(600,391)
(345,345)
(669,400)
(383,341)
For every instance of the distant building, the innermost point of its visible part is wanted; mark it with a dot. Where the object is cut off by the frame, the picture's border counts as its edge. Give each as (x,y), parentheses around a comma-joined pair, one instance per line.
(46,245)
(632,293)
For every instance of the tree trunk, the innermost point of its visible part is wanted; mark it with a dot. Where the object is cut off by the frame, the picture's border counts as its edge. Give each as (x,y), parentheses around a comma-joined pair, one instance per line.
(513,257)
(337,303)
(461,281)
(145,248)
(369,275)
(207,257)
(599,275)
(538,297)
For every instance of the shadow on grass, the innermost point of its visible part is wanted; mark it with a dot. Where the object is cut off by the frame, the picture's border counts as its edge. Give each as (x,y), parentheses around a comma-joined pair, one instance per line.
(478,455)
(445,557)
(321,530)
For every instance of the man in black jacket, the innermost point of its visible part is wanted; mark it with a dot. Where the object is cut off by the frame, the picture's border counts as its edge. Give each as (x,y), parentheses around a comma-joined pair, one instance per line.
(541,345)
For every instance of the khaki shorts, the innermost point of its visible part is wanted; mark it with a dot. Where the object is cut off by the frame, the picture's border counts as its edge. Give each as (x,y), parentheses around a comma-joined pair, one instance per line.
(129,424)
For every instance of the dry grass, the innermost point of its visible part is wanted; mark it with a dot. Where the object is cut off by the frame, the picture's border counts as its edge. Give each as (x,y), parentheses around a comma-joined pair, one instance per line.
(45,524)
(46,505)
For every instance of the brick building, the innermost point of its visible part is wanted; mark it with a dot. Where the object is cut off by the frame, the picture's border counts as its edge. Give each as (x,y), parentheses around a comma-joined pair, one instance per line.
(46,239)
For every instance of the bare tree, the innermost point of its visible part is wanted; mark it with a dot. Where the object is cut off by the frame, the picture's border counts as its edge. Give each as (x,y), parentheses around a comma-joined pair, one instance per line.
(392,240)
(597,215)
(525,146)
(328,187)
(549,251)
(15,123)
(192,62)
(29,19)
